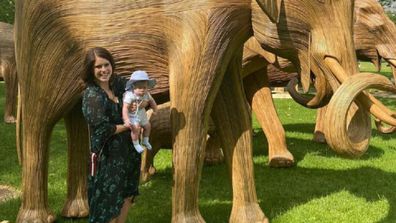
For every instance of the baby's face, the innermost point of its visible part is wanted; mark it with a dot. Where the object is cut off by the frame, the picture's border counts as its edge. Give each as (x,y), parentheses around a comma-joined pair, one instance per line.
(140,87)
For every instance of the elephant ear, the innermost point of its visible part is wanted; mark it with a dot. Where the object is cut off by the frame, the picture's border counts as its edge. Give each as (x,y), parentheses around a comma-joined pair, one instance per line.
(271,8)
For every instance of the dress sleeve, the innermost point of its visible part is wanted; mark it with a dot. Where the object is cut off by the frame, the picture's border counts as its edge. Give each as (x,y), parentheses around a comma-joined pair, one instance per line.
(94,110)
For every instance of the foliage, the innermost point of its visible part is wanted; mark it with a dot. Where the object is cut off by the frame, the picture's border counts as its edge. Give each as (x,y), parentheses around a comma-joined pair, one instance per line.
(392,16)
(385,2)
(7,11)
(322,187)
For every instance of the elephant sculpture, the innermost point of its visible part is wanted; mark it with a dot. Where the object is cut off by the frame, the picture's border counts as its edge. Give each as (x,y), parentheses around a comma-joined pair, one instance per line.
(374,34)
(8,71)
(195,43)
(279,156)
(373,38)
(324,47)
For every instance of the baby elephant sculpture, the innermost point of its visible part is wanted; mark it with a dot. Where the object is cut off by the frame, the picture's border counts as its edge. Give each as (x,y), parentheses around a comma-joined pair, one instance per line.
(161,137)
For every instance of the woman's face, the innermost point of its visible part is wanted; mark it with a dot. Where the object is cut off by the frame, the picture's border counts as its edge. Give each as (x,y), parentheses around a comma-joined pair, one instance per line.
(102,70)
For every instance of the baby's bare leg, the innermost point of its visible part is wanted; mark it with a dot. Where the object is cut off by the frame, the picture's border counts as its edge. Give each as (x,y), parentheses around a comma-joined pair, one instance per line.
(135,137)
(147,130)
(135,133)
(146,134)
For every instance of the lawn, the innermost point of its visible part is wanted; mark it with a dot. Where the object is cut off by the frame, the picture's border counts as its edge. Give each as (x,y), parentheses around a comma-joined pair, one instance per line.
(322,187)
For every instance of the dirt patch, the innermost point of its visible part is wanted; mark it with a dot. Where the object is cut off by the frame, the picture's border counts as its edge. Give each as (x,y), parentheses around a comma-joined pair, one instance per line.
(7,193)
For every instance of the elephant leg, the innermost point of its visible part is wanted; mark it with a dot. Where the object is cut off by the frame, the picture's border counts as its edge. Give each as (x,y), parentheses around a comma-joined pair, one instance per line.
(259,96)
(232,119)
(11,92)
(198,57)
(147,169)
(189,137)
(319,126)
(161,137)
(76,204)
(36,135)
(213,152)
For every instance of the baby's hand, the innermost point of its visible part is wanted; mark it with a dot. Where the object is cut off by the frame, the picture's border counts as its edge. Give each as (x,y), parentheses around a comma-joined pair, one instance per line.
(133,106)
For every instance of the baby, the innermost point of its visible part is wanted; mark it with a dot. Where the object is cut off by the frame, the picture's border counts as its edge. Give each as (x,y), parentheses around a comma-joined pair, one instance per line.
(136,99)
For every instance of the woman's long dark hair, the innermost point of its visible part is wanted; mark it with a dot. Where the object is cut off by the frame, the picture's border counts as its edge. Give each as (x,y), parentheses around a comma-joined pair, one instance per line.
(90,62)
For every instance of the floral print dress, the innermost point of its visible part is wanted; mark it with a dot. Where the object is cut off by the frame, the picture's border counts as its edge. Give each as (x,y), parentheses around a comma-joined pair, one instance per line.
(118,164)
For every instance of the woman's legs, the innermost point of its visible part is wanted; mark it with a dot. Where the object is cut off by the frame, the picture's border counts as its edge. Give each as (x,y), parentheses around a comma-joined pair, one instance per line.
(124,210)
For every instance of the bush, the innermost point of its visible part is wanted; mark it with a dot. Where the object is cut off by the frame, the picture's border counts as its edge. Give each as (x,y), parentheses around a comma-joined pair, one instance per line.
(7,11)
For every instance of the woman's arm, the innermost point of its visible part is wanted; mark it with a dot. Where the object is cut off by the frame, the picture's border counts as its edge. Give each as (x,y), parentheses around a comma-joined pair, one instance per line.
(125,109)
(120,128)
(101,129)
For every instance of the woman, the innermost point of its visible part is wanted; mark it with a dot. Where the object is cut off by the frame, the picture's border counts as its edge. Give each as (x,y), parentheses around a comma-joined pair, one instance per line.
(115,164)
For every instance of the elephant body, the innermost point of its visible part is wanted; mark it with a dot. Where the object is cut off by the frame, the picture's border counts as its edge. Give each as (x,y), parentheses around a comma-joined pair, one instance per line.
(8,71)
(374,34)
(198,45)
(195,43)
(323,46)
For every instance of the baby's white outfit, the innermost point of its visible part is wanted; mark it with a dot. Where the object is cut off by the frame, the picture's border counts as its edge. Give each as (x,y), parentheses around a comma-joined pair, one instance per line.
(139,116)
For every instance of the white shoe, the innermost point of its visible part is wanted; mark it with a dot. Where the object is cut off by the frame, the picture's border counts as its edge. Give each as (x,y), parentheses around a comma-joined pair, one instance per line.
(139,148)
(147,145)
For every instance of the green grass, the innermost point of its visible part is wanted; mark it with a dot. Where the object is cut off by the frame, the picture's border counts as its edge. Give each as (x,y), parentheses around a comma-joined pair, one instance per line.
(322,187)
(369,67)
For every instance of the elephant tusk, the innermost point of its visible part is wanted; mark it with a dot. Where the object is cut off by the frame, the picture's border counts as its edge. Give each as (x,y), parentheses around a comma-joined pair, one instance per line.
(381,128)
(377,109)
(347,123)
(336,68)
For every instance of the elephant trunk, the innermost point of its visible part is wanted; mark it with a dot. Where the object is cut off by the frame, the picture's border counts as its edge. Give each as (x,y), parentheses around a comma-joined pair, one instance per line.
(306,101)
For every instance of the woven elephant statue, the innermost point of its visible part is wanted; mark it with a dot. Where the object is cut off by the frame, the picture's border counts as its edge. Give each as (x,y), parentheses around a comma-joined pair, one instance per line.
(321,47)
(373,38)
(374,34)
(197,44)
(8,71)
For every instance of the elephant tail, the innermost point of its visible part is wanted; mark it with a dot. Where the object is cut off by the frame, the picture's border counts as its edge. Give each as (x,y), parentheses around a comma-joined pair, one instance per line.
(19,128)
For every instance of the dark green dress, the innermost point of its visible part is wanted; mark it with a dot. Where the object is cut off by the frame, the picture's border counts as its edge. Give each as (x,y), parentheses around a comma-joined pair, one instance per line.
(118,163)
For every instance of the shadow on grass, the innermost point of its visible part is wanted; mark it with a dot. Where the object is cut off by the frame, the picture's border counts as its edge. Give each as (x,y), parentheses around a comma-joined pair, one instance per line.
(279,190)
(299,147)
